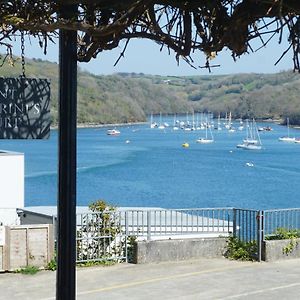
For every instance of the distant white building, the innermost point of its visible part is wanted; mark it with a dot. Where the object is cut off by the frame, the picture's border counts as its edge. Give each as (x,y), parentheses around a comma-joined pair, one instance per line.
(11,186)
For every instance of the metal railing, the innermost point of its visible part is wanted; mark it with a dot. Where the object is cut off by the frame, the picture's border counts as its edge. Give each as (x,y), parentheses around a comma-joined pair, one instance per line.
(100,236)
(245,224)
(153,223)
(280,218)
(107,235)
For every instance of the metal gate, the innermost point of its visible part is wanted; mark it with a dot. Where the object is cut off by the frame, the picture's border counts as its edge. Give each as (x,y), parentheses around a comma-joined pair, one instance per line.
(248,227)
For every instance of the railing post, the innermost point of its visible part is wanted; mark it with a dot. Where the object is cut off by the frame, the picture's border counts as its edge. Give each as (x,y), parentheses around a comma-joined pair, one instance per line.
(259,220)
(126,224)
(126,235)
(234,222)
(149,225)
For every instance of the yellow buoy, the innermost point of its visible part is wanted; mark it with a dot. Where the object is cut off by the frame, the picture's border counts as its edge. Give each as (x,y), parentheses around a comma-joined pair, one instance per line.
(185,145)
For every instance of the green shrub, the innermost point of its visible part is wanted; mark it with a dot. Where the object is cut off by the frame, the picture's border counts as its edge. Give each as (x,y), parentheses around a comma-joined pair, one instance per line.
(241,250)
(283,234)
(104,263)
(96,236)
(28,270)
(286,234)
(131,248)
(52,264)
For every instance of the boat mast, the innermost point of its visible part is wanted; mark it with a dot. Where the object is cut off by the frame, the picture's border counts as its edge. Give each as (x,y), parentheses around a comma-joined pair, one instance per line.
(256,131)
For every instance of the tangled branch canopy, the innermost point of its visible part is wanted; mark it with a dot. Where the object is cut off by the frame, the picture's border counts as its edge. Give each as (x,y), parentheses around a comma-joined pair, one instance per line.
(184,26)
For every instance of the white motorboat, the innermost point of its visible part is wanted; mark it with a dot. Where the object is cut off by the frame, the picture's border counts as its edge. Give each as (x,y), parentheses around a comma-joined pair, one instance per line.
(113,132)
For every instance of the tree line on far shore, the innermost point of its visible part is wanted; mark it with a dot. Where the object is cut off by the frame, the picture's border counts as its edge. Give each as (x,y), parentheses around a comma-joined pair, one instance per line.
(131,97)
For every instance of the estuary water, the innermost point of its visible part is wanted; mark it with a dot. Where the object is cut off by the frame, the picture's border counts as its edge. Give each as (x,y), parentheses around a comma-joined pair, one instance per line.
(149,167)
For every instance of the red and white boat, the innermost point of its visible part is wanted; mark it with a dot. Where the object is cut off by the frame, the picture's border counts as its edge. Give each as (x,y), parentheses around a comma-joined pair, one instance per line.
(113,132)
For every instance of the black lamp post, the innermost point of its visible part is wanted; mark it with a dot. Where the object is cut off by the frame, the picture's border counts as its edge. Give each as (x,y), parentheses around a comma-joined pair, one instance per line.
(66,247)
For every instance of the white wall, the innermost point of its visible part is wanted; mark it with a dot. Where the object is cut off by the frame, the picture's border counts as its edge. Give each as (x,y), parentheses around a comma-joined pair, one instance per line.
(11,186)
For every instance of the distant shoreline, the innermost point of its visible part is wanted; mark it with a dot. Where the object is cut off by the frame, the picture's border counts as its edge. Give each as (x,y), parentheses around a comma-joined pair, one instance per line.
(109,125)
(80,125)
(92,125)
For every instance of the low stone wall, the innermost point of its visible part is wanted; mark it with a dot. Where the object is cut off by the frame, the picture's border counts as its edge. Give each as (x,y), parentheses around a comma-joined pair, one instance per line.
(174,250)
(274,250)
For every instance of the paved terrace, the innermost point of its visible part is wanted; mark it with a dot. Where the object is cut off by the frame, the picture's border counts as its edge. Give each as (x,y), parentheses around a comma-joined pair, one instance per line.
(198,279)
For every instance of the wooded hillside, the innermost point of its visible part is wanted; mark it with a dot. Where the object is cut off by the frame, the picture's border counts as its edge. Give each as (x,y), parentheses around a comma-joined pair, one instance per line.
(129,97)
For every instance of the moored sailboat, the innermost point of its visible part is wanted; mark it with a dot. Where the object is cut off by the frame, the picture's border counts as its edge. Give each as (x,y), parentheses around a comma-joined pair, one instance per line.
(161,125)
(152,123)
(252,140)
(287,138)
(206,139)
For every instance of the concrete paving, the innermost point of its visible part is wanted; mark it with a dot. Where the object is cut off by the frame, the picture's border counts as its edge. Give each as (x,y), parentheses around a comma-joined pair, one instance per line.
(196,279)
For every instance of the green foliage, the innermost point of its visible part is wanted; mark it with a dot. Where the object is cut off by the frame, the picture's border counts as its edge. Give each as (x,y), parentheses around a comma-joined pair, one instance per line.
(286,234)
(131,248)
(28,270)
(101,206)
(240,250)
(96,236)
(130,97)
(283,234)
(103,263)
(52,265)
(290,246)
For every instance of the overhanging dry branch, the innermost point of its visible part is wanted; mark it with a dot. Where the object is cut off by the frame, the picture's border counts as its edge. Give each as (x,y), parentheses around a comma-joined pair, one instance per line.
(184,26)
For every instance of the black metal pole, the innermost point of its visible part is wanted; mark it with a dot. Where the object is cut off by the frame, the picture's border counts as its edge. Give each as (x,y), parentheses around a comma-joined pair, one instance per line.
(66,244)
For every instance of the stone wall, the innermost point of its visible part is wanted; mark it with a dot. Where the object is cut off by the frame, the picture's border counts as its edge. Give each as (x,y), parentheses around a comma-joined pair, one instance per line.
(174,250)
(274,250)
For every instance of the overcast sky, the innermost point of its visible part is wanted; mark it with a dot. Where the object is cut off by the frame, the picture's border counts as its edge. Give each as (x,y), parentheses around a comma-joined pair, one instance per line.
(143,56)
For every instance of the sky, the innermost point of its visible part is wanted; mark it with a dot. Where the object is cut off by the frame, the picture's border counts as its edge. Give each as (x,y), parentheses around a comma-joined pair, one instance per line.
(143,56)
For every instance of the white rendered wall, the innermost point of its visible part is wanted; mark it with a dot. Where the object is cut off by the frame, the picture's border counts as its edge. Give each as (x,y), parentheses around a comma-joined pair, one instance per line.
(11,186)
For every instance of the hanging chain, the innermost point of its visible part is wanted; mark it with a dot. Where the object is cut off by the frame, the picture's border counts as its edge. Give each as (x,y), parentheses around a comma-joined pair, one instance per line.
(23,53)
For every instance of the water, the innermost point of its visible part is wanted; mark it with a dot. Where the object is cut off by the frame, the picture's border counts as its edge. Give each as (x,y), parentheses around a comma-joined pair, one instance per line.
(154,170)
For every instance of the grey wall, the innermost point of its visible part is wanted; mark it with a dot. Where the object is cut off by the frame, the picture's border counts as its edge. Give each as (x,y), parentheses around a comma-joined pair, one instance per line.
(273,250)
(174,250)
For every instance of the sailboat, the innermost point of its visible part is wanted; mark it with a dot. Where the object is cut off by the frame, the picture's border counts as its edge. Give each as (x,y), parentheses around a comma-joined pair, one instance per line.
(206,140)
(152,123)
(193,122)
(229,125)
(252,140)
(187,124)
(175,122)
(287,138)
(161,125)
(197,122)
(241,127)
(218,127)
(250,133)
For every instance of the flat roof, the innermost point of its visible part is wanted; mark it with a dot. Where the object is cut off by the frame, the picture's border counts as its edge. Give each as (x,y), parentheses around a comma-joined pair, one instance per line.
(9,153)
(52,210)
